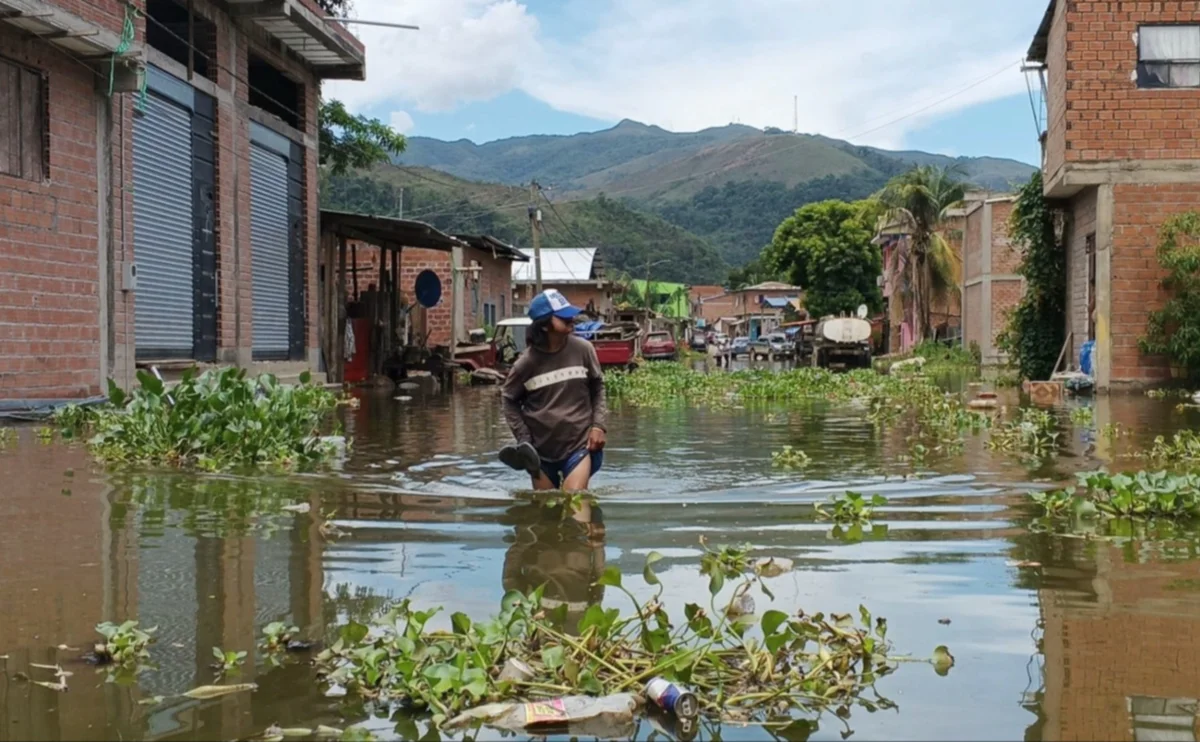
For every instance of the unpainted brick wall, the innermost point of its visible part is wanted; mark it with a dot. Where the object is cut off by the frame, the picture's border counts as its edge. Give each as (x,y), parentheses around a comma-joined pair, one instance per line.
(1006,257)
(1006,295)
(973,330)
(1096,111)
(50,333)
(1138,213)
(973,245)
(413,260)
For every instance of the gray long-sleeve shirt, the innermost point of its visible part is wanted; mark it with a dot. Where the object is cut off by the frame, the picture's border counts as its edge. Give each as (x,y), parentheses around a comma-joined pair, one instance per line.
(553,400)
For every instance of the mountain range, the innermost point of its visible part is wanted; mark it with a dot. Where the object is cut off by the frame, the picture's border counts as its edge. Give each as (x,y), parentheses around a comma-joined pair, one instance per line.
(707,201)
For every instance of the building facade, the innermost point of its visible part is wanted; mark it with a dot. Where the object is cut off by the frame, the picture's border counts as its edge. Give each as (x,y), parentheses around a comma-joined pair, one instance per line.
(158,189)
(1120,155)
(577,272)
(992,288)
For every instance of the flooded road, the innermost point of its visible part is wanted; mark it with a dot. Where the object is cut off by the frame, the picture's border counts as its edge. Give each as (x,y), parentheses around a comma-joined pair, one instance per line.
(1055,637)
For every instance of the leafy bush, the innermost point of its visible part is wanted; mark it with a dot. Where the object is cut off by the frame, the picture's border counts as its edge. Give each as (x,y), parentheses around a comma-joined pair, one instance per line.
(218,420)
(1035,331)
(1174,330)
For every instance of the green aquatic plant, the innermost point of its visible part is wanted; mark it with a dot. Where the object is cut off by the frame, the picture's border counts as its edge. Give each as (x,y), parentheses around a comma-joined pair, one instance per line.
(1139,495)
(218,420)
(852,507)
(7,436)
(1181,449)
(124,644)
(276,636)
(45,435)
(1032,433)
(801,662)
(228,662)
(790,459)
(1082,415)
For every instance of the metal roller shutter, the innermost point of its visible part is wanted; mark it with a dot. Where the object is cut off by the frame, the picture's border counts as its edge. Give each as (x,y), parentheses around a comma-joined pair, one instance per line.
(162,229)
(269,243)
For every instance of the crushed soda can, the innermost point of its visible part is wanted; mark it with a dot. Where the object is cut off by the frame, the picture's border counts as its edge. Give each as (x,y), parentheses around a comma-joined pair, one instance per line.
(679,728)
(673,699)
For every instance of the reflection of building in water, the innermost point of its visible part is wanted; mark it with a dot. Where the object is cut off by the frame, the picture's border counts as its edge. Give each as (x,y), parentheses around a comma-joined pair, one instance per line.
(172,553)
(1122,647)
(566,554)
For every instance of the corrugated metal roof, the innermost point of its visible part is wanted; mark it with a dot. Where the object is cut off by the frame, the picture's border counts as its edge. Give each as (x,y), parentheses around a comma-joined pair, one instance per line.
(559,265)
(777,302)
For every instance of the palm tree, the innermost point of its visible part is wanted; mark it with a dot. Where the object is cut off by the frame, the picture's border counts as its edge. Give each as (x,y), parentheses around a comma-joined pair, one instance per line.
(919,200)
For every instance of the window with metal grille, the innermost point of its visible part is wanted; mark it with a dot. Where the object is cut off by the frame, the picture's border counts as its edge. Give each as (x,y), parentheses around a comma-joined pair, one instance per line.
(1168,57)
(24,122)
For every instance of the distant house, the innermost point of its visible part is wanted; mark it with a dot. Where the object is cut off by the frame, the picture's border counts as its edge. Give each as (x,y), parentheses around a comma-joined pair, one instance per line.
(763,307)
(709,304)
(577,272)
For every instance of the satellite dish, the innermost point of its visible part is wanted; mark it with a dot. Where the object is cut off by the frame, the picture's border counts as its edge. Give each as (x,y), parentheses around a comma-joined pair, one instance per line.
(428,288)
(862,311)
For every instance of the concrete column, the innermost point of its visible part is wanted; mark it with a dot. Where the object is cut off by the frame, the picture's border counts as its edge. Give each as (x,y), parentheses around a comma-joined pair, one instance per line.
(1104,241)
(104,204)
(987,346)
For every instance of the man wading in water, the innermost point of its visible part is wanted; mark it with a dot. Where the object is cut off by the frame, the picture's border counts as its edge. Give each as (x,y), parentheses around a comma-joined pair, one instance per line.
(554,401)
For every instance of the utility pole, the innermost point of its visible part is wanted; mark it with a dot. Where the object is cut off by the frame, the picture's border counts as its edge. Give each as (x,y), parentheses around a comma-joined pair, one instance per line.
(795,114)
(535,225)
(400,207)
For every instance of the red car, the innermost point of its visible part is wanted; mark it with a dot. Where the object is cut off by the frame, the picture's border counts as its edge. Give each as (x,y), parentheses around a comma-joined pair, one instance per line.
(659,346)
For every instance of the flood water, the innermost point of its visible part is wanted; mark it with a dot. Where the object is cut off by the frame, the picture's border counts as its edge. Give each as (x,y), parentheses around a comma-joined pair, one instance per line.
(1055,637)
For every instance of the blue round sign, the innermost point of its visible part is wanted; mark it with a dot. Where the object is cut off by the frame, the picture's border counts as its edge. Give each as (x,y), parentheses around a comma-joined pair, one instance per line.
(428,289)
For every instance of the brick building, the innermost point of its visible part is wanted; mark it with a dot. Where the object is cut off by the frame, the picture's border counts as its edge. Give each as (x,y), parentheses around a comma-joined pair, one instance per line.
(711,303)
(991,286)
(487,285)
(1120,154)
(945,316)
(577,272)
(158,192)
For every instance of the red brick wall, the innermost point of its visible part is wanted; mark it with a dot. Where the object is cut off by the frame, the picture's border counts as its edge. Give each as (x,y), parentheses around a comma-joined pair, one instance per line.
(1006,295)
(1054,151)
(437,320)
(1103,115)
(1138,212)
(50,334)
(1006,257)
(495,287)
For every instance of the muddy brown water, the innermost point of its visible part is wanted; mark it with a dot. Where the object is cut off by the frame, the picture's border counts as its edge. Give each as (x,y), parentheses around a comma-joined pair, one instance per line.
(1054,637)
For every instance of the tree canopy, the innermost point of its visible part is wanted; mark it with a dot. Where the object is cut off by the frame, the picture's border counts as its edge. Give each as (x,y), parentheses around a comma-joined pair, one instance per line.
(919,199)
(826,248)
(350,142)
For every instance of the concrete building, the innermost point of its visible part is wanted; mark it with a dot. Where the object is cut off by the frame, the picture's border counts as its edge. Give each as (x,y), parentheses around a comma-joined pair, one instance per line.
(577,272)
(158,189)
(1120,155)
(991,286)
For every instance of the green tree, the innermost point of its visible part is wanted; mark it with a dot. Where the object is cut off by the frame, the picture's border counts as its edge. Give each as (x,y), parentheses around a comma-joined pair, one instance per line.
(919,200)
(756,271)
(354,142)
(826,248)
(1174,330)
(1034,335)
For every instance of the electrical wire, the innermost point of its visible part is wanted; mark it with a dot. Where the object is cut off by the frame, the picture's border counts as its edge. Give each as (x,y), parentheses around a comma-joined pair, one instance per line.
(227,70)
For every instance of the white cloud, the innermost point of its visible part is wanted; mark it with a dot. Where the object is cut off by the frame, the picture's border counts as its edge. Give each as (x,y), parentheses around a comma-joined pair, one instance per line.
(401,121)
(857,66)
(466,50)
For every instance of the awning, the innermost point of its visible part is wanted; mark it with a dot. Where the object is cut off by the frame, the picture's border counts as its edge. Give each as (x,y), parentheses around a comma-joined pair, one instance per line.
(487,243)
(387,232)
(301,25)
(77,37)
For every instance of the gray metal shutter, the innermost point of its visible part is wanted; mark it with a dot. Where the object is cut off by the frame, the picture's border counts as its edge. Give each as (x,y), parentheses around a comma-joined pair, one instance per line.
(162,229)
(269,249)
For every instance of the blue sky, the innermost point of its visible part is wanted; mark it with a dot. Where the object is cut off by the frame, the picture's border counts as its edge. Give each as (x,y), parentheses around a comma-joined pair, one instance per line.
(912,74)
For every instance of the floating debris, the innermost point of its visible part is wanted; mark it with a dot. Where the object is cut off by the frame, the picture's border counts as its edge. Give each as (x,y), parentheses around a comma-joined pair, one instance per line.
(205,692)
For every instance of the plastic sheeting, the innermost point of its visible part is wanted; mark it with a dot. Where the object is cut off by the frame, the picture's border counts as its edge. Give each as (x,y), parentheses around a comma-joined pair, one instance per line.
(31,410)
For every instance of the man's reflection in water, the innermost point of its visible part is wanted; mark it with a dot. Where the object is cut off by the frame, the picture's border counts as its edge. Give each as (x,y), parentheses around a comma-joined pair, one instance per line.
(564,553)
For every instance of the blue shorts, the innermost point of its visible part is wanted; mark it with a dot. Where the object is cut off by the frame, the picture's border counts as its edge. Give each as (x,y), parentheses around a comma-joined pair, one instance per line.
(557,471)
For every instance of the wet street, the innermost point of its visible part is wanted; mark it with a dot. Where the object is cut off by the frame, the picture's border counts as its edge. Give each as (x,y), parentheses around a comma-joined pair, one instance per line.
(1055,637)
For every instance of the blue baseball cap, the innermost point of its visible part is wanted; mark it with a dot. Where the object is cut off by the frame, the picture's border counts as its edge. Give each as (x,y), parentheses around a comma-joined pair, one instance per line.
(552,302)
